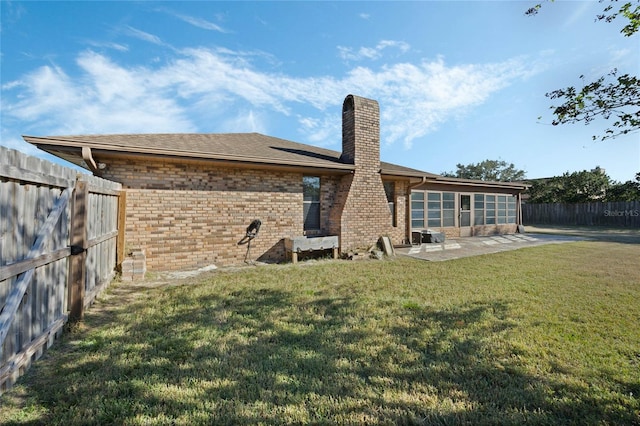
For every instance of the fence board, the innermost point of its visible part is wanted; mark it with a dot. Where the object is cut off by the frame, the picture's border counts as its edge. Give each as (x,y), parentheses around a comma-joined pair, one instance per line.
(24,265)
(612,214)
(17,173)
(12,302)
(30,192)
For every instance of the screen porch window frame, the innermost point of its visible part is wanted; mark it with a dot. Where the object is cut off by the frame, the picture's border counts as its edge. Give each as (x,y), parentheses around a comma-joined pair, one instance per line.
(311,203)
(448,209)
(478,209)
(488,208)
(502,209)
(417,209)
(495,209)
(434,209)
(512,209)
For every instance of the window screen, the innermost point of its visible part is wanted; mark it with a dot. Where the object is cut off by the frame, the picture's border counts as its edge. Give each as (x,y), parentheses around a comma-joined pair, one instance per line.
(389,190)
(434,205)
(417,209)
(311,202)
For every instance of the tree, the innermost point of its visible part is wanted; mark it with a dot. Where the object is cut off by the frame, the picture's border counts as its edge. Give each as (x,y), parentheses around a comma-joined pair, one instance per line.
(577,187)
(627,191)
(614,95)
(488,170)
(585,186)
(544,191)
(633,15)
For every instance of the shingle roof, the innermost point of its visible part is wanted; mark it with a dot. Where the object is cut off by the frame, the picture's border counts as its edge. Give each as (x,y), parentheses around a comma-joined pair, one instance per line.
(240,148)
(234,147)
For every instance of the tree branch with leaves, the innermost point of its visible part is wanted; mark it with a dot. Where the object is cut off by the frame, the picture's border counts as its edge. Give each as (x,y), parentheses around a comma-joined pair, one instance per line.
(613,96)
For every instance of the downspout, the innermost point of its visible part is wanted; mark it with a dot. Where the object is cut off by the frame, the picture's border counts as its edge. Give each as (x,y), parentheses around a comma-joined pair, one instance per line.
(87,156)
(415,185)
(407,231)
(520,208)
(88,159)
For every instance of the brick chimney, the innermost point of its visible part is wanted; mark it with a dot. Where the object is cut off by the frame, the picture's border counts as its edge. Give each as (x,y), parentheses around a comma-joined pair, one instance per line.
(361,132)
(363,213)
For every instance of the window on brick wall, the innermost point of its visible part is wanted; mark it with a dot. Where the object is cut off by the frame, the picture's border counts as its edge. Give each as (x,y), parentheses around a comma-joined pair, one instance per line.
(311,200)
(390,191)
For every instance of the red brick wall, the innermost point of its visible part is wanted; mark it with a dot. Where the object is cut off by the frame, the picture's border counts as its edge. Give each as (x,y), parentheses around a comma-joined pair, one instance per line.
(401,232)
(191,214)
(188,215)
(362,213)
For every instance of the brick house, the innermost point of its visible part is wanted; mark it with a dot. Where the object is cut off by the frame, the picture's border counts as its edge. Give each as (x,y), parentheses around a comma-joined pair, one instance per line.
(190,197)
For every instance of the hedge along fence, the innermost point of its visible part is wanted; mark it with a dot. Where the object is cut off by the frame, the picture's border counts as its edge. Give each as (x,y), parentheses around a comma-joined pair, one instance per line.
(615,214)
(59,245)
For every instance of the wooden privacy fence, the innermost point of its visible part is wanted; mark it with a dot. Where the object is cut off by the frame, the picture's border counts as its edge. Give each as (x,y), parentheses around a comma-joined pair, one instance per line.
(622,214)
(59,245)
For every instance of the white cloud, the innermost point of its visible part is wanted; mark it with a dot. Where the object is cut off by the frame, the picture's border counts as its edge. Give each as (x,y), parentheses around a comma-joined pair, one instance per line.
(12,84)
(20,145)
(108,45)
(195,21)
(404,47)
(578,10)
(320,131)
(203,85)
(243,122)
(618,55)
(200,23)
(106,98)
(371,53)
(139,34)
(43,90)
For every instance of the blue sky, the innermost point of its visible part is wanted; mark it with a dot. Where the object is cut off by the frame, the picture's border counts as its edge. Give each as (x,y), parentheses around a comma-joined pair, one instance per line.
(457,82)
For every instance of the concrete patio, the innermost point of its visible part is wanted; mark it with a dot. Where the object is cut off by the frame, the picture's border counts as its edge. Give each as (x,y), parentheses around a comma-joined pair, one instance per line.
(474,246)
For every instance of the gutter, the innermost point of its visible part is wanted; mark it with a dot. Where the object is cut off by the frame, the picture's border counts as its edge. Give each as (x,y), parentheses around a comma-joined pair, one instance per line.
(415,185)
(47,144)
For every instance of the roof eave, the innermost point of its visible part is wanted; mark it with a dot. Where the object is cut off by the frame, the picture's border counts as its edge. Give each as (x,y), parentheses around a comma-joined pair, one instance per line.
(471,182)
(72,152)
(402,174)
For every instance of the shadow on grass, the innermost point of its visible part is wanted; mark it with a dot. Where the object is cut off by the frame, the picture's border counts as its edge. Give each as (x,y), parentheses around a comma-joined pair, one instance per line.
(265,356)
(596,233)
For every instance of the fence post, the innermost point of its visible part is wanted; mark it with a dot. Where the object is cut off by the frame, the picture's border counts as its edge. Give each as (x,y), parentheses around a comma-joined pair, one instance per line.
(78,259)
(122,216)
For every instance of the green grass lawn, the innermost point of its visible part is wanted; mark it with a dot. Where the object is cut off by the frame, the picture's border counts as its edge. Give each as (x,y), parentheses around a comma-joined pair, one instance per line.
(544,335)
